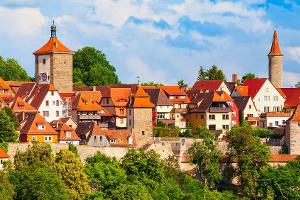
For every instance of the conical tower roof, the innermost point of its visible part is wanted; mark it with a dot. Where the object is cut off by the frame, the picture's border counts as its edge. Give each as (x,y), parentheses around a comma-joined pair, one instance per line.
(275,49)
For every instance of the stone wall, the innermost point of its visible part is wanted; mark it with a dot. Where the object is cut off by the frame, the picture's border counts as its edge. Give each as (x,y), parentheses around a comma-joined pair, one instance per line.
(275,70)
(84,151)
(62,72)
(293,137)
(142,125)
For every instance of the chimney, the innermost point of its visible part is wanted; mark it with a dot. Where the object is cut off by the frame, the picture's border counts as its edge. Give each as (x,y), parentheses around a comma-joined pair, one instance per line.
(234,78)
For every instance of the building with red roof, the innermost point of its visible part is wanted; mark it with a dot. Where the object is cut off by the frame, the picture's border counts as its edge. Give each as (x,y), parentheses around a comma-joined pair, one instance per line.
(265,96)
(3,157)
(54,64)
(211,86)
(292,98)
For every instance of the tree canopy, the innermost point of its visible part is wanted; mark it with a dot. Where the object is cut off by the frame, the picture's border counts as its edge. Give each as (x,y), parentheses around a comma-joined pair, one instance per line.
(248,76)
(213,73)
(11,70)
(91,68)
(8,131)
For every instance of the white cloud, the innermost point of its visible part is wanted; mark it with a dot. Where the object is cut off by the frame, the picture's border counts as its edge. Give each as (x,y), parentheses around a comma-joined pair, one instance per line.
(21,21)
(293,53)
(290,78)
(137,68)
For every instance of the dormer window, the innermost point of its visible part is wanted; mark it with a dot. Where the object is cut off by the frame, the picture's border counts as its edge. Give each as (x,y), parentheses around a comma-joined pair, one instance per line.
(41,127)
(113,141)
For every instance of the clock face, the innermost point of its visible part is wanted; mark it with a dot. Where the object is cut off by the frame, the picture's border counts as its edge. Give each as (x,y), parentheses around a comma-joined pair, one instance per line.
(43,77)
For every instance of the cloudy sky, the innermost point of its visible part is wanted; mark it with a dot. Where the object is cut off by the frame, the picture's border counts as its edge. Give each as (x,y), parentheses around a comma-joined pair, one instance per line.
(159,40)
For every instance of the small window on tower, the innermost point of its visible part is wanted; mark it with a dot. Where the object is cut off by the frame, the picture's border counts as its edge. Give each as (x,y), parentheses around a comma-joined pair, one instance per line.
(44,61)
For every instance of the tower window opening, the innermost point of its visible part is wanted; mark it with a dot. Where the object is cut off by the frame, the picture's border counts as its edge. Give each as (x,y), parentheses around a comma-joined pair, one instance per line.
(44,61)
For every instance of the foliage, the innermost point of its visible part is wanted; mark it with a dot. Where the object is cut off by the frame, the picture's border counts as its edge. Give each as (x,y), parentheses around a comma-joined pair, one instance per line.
(92,68)
(282,182)
(151,83)
(248,76)
(12,116)
(182,84)
(213,73)
(71,170)
(4,146)
(166,132)
(129,191)
(8,132)
(73,149)
(160,124)
(7,190)
(38,152)
(186,133)
(263,132)
(202,132)
(11,70)
(297,85)
(206,157)
(38,182)
(250,155)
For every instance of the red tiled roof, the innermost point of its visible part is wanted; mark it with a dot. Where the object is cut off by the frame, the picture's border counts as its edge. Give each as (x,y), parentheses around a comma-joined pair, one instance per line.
(173,90)
(31,125)
(296,115)
(242,90)
(53,45)
(292,96)
(204,85)
(282,158)
(4,85)
(3,154)
(62,129)
(142,99)
(20,105)
(254,85)
(275,49)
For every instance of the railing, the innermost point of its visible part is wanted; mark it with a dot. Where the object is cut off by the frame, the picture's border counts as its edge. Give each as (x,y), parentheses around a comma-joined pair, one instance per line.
(89,117)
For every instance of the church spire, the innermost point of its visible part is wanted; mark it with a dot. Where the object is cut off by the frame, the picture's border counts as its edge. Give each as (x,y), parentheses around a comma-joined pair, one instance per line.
(53,30)
(275,49)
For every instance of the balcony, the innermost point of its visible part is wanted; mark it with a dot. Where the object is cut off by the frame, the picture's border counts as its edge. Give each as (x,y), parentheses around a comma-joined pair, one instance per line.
(89,117)
(252,119)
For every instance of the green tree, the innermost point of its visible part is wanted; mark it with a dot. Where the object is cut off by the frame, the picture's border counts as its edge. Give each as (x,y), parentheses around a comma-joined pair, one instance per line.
(38,182)
(250,155)
(248,76)
(105,174)
(38,152)
(206,157)
(73,149)
(12,116)
(70,168)
(213,73)
(11,70)
(131,191)
(282,182)
(297,85)
(202,74)
(8,132)
(182,84)
(92,68)
(202,132)
(151,83)
(7,190)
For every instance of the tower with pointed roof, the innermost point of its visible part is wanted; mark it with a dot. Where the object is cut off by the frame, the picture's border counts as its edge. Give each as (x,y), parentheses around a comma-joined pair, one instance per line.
(275,63)
(54,63)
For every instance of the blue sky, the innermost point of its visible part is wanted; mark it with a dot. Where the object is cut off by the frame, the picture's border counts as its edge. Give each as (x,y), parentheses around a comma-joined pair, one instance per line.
(159,40)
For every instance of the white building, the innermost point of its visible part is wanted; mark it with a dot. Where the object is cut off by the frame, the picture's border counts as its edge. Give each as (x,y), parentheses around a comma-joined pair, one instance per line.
(273,119)
(265,96)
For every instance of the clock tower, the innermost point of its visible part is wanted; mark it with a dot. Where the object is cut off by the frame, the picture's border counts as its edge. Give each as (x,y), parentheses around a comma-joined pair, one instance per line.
(54,64)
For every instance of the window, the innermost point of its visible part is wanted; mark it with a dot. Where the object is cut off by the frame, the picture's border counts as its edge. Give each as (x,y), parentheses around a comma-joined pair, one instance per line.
(143,132)
(267,98)
(122,110)
(283,121)
(129,112)
(266,109)
(276,123)
(68,134)
(47,103)
(107,101)
(47,138)
(249,115)
(275,98)
(274,109)
(130,122)
(41,127)
(249,106)
(113,141)
(121,120)
(225,116)
(57,103)
(212,117)
(33,138)
(100,138)
(52,93)
(44,61)
(212,127)
(95,138)
(225,127)
(53,102)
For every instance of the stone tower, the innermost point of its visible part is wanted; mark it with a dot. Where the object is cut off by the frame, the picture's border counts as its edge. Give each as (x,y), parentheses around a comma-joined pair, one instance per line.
(275,63)
(54,64)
